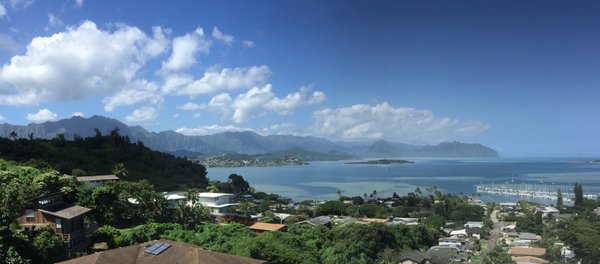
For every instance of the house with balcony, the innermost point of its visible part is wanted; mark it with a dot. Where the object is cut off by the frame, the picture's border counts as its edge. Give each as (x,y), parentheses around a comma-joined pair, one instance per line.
(64,218)
(218,203)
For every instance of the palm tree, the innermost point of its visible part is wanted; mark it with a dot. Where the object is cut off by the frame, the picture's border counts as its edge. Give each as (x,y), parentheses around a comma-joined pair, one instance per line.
(13,135)
(192,196)
(199,213)
(245,207)
(120,171)
(339,194)
(182,210)
(213,186)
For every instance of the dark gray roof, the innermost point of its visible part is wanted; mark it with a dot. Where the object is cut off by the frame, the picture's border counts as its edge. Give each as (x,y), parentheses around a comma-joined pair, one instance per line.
(415,256)
(65,210)
(317,221)
(474,230)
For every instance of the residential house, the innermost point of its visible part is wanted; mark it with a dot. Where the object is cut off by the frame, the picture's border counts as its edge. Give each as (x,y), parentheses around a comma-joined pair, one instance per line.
(459,233)
(461,244)
(527,252)
(474,224)
(174,198)
(261,227)
(528,236)
(96,180)
(474,232)
(509,206)
(218,203)
(547,211)
(64,218)
(161,251)
(415,257)
(529,260)
(405,221)
(318,221)
(443,255)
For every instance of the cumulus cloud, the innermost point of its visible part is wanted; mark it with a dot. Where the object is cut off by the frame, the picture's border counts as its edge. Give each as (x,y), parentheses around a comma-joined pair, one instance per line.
(1,118)
(248,43)
(42,116)
(185,49)
(82,61)
(283,129)
(189,106)
(214,81)
(227,39)
(259,101)
(78,3)
(2,10)
(197,115)
(209,130)
(411,125)
(142,115)
(77,114)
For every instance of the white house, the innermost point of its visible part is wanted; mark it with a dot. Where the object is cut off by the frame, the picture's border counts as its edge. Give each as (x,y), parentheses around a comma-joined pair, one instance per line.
(458,233)
(219,203)
(474,224)
(173,199)
(547,211)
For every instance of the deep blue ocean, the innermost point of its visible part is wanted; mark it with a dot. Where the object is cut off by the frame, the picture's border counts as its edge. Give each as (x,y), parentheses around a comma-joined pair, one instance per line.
(322,180)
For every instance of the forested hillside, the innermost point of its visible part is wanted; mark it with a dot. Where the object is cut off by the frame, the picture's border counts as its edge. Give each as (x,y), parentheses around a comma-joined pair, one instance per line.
(105,154)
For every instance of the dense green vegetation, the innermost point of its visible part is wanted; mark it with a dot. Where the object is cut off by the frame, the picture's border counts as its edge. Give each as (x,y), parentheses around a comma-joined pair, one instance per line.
(301,244)
(101,154)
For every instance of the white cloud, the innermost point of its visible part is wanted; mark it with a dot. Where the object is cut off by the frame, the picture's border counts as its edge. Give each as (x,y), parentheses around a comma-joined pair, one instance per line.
(42,116)
(2,118)
(285,105)
(259,101)
(248,43)
(82,61)
(2,10)
(77,114)
(214,81)
(8,43)
(137,91)
(79,3)
(282,129)
(176,115)
(53,22)
(209,130)
(227,39)
(185,49)
(197,115)
(379,121)
(142,115)
(189,106)
(20,4)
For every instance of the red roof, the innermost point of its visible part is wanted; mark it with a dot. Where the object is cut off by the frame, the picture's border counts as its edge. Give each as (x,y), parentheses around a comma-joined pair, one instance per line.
(261,226)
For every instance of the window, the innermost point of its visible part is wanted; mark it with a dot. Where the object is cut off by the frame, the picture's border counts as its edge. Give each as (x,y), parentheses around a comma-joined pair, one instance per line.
(58,223)
(29,215)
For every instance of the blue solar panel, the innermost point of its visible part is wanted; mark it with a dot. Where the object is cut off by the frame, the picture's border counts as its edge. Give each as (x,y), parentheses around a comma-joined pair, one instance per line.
(157,248)
(153,247)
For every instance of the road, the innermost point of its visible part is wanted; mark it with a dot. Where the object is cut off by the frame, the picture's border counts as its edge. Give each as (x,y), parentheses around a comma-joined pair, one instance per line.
(494,233)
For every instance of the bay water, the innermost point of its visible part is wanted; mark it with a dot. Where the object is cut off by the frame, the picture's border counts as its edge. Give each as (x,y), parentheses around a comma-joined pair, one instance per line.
(322,180)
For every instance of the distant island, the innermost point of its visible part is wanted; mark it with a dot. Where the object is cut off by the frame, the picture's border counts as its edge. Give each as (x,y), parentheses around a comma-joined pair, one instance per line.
(381,161)
(595,161)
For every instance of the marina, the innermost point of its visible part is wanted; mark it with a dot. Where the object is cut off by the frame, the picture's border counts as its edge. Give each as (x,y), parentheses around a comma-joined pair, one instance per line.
(543,191)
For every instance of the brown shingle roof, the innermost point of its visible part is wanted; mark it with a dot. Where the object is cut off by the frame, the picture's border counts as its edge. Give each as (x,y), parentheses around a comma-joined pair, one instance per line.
(523,251)
(261,226)
(177,253)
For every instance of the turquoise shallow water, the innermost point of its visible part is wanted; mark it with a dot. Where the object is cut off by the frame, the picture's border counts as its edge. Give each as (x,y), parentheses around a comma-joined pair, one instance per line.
(322,180)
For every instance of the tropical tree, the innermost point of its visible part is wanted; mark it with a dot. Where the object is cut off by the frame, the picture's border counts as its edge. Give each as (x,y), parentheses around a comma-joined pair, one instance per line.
(192,196)
(245,207)
(213,186)
(120,171)
(559,199)
(13,135)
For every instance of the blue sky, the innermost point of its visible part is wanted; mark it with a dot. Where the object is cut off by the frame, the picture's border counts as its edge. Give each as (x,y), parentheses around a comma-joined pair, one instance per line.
(520,76)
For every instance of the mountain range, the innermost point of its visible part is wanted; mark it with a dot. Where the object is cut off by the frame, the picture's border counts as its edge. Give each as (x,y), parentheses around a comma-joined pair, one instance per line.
(245,142)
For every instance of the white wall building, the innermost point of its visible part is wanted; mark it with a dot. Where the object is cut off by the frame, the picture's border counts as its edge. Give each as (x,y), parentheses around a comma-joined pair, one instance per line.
(219,203)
